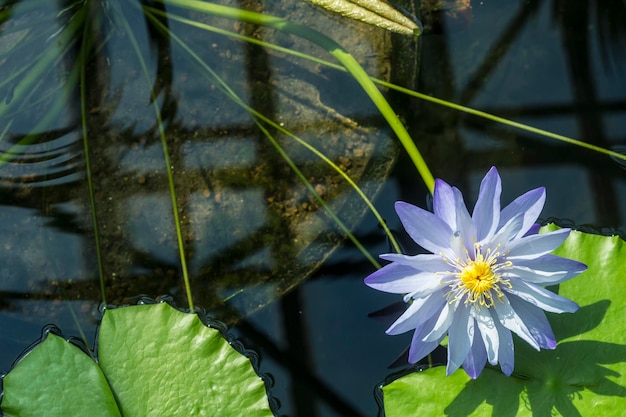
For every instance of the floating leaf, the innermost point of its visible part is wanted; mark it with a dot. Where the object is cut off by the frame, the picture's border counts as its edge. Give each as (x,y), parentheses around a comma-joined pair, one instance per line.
(584,374)
(157,360)
(57,379)
(167,363)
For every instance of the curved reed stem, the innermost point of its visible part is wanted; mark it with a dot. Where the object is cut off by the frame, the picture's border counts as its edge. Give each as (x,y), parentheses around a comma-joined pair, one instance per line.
(168,166)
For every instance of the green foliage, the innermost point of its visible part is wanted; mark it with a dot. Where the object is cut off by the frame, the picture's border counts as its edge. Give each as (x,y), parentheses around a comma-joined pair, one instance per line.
(57,379)
(153,360)
(584,374)
(333,48)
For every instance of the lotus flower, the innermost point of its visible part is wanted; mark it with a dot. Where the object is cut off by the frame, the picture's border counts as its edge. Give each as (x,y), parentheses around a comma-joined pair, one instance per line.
(482,280)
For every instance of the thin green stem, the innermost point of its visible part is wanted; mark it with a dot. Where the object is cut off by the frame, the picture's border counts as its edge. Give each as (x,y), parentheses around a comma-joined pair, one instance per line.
(404,90)
(333,48)
(503,121)
(168,166)
(258,116)
(81,62)
(311,189)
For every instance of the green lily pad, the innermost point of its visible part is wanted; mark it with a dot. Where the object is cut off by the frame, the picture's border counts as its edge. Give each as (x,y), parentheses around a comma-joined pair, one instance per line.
(153,360)
(170,364)
(585,375)
(57,379)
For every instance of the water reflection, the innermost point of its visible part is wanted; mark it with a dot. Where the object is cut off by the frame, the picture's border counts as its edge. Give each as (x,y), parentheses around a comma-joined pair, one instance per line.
(54,161)
(250,228)
(518,59)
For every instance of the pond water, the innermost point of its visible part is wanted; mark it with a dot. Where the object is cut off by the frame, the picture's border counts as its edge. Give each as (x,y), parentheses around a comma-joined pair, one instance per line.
(262,255)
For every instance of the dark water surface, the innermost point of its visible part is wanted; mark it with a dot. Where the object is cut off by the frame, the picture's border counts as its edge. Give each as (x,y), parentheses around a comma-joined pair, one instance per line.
(558,66)
(251,229)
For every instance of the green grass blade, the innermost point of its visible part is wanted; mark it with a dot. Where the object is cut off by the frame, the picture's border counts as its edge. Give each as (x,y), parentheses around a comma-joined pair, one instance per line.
(465,109)
(333,48)
(311,189)
(81,62)
(170,176)
(258,116)
(503,121)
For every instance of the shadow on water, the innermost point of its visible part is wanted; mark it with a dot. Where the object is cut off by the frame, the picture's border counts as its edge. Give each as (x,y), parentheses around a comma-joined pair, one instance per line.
(251,230)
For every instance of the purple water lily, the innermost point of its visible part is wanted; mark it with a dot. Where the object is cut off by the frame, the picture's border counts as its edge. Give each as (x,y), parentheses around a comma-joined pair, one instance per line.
(483,280)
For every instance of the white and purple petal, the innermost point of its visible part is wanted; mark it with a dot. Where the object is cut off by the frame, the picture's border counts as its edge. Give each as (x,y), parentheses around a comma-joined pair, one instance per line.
(419,349)
(465,227)
(504,234)
(529,204)
(545,270)
(540,297)
(417,313)
(536,321)
(506,352)
(443,322)
(486,214)
(458,249)
(422,262)
(512,321)
(534,246)
(460,337)
(488,331)
(401,279)
(426,229)
(444,203)
(476,358)
(534,229)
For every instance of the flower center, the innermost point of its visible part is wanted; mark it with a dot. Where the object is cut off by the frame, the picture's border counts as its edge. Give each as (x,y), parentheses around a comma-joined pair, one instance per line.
(478,278)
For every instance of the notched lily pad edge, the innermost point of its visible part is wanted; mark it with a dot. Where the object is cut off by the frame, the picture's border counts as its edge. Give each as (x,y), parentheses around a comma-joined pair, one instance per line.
(202,314)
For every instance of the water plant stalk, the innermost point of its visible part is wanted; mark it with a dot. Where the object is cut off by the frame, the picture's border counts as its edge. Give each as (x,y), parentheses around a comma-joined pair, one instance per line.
(86,46)
(258,117)
(333,48)
(413,93)
(168,165)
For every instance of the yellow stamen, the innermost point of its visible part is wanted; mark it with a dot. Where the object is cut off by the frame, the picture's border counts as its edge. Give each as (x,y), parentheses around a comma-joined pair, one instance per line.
(478,278)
